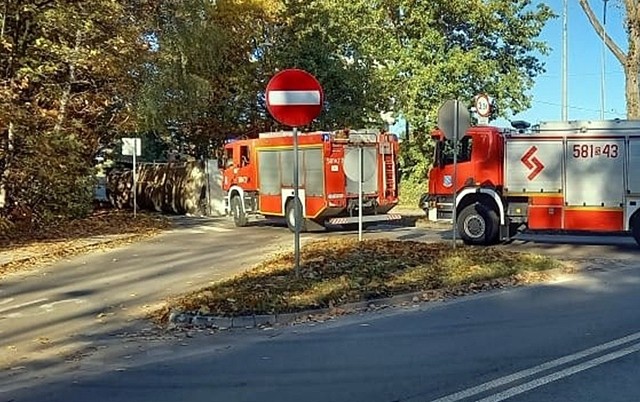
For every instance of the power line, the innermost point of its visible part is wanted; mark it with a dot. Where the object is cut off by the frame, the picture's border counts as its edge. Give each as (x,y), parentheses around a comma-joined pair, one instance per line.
(584,109)
(547,75)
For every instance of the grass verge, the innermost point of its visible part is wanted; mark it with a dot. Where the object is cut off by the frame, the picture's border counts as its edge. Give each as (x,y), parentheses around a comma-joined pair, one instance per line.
(338,271)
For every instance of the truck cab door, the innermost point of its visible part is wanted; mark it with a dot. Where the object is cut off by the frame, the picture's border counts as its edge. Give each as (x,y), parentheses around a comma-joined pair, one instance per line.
(442,174)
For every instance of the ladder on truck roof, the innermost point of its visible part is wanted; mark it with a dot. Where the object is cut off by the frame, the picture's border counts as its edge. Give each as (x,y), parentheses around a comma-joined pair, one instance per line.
(389,169)
(583,126)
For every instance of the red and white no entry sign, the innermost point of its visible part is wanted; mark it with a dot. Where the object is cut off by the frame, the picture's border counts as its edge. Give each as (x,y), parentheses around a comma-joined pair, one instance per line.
(294,97)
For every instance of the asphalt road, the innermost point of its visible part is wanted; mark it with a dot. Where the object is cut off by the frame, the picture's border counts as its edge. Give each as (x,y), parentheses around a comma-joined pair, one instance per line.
(576,340)
(54,319)
(51,314)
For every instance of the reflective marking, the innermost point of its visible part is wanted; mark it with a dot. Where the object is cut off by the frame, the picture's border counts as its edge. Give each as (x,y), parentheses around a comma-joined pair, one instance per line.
(536,369)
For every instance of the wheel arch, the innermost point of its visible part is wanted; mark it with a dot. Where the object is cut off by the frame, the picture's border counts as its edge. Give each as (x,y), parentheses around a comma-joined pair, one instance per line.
(485,196)
(236,191)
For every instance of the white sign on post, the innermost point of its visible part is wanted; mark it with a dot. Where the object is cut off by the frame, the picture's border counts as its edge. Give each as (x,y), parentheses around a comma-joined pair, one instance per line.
(133,147)
(354,161)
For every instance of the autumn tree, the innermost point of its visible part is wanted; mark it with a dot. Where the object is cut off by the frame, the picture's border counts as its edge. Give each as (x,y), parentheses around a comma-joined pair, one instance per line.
(328,39)
(68,73)
(630,60)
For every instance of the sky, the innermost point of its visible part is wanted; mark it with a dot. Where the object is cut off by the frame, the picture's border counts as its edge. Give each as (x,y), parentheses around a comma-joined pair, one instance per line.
(584,67)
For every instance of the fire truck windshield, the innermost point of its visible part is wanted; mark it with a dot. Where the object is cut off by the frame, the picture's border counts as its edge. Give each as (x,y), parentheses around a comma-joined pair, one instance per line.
(444,151)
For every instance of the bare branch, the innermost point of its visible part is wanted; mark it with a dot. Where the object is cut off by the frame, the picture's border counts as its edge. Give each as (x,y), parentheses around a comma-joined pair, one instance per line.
(43,3)
(615,49)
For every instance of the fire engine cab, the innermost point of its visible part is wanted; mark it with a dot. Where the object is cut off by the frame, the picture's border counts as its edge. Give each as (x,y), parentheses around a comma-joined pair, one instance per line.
(258,177)
(566,176)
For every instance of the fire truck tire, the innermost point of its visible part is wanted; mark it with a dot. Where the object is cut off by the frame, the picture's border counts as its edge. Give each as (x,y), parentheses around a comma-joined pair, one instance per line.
(635,228)
(478,225)
(290,216)
(239,216)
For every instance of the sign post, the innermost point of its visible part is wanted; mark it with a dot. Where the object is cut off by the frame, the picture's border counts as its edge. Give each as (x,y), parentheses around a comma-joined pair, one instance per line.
(294,98)
(354,168)
(360,185)
(133,148)
(454,120)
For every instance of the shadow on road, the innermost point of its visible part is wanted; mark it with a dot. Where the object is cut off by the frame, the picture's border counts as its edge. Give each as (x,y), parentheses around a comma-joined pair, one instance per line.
(453,345)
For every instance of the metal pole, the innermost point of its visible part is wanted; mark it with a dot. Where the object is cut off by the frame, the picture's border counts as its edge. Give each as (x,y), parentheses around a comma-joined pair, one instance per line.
(360,177)
(135,181)
(455,169)
(296,205)
(604,53)
(565,107)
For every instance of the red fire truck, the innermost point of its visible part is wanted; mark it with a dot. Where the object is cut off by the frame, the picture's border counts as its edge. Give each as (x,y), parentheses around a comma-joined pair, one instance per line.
(258,177)
(565,176)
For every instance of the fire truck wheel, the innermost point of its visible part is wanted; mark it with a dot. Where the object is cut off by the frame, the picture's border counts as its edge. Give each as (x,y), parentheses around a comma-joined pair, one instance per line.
(290,214)
(478,225)
(635,228)
(239,217)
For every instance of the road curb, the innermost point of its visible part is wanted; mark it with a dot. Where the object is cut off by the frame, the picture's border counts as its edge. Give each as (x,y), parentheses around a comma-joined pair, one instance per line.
(194,319)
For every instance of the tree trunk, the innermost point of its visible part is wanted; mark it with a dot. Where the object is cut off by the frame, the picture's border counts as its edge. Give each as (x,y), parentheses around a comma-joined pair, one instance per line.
(632,91)
(66,92)
(629,61)
(632,65)
(4,165)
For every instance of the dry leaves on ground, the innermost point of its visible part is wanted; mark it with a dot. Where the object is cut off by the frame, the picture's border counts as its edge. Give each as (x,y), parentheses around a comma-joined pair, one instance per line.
(104,229)
(338,271)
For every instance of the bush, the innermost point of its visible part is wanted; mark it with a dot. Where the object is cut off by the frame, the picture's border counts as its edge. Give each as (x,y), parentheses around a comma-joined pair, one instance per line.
(51,177)
(411,190)
(416,157)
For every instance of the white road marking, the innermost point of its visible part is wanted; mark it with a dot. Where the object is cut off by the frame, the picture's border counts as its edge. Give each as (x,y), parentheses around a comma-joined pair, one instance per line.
(17,306)
(49,307)
(202,230)
(511,392)
(5,301)
(536,369)
(215,229)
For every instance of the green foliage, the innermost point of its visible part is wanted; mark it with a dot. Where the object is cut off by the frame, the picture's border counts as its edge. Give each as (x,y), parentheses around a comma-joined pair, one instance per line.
(80,74)
(215,58)
(204,81)
(51,177)
(407,57)
(410,191)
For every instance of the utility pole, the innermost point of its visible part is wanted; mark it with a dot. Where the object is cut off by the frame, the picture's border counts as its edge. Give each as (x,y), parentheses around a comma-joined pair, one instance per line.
(604,54)
(565,106)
